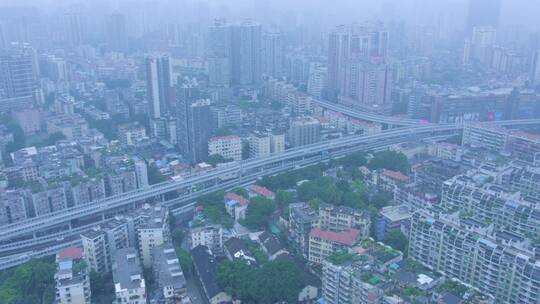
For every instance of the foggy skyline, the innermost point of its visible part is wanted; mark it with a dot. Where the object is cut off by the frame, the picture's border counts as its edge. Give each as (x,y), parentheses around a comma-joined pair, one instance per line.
(519,13)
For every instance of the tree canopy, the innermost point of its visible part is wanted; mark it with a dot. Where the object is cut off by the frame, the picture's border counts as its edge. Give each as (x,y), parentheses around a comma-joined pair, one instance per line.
(258,212)
(323,188)
(274,282)
(216,159)
(390,160)
(29,283)
(397,240)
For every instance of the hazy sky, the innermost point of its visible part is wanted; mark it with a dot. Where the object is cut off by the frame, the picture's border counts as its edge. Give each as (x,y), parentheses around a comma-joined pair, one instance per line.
(515,12)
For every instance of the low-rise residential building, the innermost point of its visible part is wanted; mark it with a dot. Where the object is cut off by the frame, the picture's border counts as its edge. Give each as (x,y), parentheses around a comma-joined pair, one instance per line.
(389,180)
(210,236)
(120,180)
(205,265)
(324,243)
(72,281)
(101,243)
(229,147)
(235,205)
(256,190)
(237,250)
(478,135)
(84,190)
(131,133)
(262,144)
(72,126)
(392,218)
(302,218)
(44,199)
(340,218)
(168,275)
(500,263)
(152,231)
(129,283)
(522,145)
(474,195)
(304,131)
(271,245)
(229,115)
(12,207)
(259,145)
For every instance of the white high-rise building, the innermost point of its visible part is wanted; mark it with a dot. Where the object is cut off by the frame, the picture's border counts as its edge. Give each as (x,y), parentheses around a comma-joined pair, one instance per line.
(346,42)
(141,173)
(264,144)
(101,243)
(277,143)
(158,84)
(535,69)
(318,76)
(246,53)
(273,54)
(152,231)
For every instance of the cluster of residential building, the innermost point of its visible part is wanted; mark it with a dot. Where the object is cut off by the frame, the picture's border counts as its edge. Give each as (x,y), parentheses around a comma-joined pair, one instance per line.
(53,178)
(129,244)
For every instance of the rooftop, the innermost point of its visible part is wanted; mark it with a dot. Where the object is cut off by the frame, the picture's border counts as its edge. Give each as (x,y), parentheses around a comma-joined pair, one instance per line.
(231,196)
(127,272)
(260,190)
(347,237)
(396,175)
(206,266)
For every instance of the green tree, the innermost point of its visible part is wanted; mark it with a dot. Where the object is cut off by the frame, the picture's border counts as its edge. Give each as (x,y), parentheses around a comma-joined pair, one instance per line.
(356,159)
(19,140)
(380,200)
(51,139)
(154,175)
(223,132)
(397,240)
(275,281)
(216,159)
(283,198)
(323,188)
(353,200)
(185,259)
(241,191)
(258,212)
(32,282)
(390,160)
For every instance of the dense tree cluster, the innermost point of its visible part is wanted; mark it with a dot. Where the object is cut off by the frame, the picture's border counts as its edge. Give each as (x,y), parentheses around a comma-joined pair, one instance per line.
(397,240)
(288,180)
(390,160)
(216,159)
(273,282)
(258,213)
(29,283)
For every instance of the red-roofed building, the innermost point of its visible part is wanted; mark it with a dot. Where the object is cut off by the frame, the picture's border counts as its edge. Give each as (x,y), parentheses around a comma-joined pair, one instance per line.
(256,190)
(395,175)
(389,180)
(323,243)
(235,205)
(70,253)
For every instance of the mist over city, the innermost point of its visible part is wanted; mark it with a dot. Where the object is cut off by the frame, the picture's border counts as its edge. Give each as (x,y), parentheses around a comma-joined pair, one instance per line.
(269,151)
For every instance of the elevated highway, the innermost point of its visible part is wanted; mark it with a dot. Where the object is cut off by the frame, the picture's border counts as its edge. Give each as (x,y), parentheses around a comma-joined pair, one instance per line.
(235,174)
(38,235)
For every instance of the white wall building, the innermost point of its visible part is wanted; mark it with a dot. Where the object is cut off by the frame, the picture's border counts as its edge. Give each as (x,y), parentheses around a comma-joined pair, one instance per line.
(129,284)
(230,147)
